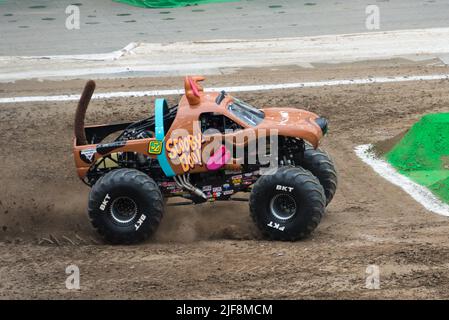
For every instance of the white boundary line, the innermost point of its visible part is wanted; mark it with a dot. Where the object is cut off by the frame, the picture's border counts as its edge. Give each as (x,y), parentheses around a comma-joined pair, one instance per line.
(124,94)
(416,191)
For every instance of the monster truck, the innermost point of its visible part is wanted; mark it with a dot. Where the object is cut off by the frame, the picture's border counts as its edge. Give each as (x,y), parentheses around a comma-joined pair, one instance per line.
(206,148)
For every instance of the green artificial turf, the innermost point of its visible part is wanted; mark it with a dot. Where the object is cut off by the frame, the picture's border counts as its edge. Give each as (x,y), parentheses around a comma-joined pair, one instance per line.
(167,3)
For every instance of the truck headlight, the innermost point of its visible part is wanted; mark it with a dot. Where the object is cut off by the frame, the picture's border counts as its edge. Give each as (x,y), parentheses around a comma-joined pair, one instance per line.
(322,123)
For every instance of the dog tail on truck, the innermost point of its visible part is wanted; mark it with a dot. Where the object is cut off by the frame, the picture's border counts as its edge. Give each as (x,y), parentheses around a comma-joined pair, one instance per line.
(80,114)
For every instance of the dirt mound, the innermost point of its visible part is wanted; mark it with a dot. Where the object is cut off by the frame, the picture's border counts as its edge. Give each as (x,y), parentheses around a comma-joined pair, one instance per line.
(424,146)
(421,153)
(381,148)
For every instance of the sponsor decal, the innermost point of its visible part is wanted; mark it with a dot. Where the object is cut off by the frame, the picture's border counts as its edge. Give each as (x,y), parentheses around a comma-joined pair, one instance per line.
(228,192)
(171,187)
(88,155)
(236,180)
(187,150)
(217,189)
(166,184)
(232,172)
(226,186)
(155,147)
(284,188)
(207,188)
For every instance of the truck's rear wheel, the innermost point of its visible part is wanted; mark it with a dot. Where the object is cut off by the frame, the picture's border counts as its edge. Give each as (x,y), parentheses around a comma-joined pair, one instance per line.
(288,204)
(321,165)
(125,206)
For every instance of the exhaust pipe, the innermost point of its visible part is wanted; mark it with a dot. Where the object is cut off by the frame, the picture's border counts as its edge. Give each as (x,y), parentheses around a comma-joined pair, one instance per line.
(184,182)
(80,114)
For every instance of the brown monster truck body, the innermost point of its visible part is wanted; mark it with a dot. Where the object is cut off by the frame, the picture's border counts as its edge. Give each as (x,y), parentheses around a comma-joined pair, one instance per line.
(201,150)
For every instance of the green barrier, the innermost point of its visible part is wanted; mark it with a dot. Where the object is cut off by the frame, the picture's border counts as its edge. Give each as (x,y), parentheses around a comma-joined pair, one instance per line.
(168,3)
(423,154)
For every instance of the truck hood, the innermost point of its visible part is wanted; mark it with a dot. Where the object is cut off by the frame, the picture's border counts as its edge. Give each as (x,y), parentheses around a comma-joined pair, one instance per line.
(293,122)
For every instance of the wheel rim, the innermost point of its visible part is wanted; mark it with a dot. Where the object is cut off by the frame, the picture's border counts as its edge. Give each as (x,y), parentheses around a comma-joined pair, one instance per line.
(283,206)
(123,210)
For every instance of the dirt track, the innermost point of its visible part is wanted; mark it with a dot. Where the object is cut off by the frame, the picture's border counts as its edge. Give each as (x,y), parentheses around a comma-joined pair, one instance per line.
(204,252)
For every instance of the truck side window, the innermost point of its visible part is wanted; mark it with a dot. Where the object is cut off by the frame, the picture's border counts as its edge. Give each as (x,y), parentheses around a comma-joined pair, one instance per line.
(217,121)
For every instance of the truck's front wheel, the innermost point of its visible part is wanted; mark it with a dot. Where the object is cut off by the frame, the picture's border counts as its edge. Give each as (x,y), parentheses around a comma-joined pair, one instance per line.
(288,204)
(322,166)
(125,206)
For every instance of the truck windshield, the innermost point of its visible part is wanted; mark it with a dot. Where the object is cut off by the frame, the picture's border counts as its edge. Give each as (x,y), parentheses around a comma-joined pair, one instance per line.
(246,112)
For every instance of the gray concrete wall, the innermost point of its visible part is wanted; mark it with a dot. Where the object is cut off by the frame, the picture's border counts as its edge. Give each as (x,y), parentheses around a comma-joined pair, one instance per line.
(30,27)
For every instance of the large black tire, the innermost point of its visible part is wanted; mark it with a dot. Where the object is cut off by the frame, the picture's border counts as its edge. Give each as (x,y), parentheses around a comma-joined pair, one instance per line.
(321,165)
(125,206)
(288,204)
